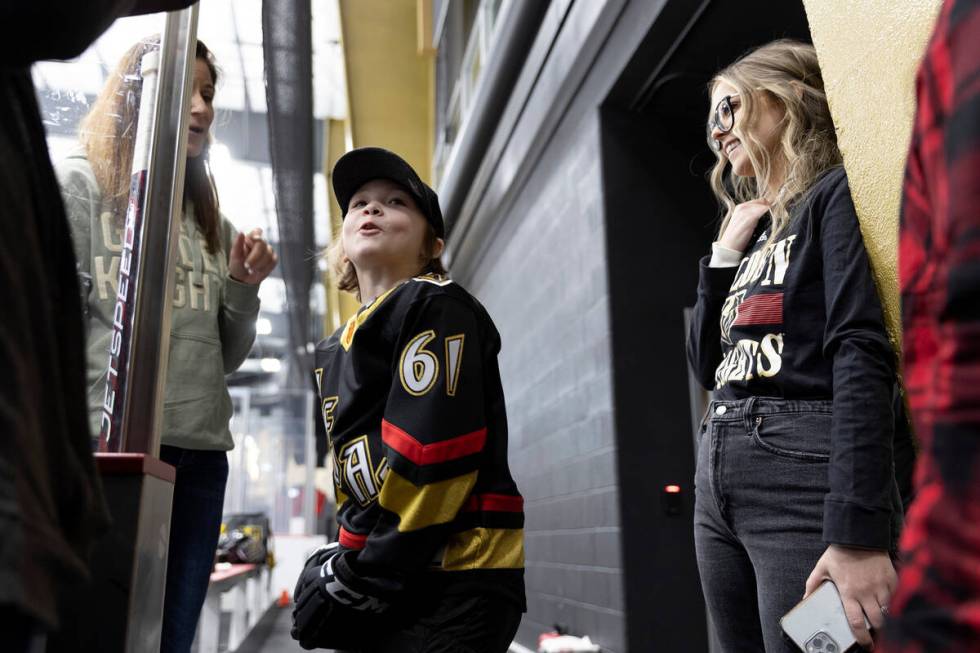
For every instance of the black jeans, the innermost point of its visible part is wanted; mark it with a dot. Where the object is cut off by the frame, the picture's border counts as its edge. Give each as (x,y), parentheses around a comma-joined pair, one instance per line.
(455,623)
(199,495)
(758,514)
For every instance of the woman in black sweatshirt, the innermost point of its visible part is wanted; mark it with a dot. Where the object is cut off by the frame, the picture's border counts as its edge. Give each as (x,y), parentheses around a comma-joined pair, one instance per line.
(795,479)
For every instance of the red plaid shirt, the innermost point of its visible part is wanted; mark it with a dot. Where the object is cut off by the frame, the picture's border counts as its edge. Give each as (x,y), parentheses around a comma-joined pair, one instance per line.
(937,605)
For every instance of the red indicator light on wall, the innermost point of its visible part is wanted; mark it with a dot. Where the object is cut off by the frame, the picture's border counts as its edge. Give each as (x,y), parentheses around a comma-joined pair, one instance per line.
(671,499)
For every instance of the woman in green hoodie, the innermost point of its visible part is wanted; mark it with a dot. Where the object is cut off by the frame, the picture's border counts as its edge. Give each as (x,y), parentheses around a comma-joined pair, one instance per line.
(215,305)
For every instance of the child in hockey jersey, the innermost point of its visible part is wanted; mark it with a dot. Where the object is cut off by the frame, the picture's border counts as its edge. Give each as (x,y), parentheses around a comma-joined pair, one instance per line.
(430,548)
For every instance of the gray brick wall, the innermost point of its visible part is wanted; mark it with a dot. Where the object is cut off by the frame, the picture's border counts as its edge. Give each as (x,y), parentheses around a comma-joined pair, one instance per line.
(586,310)
(543,279)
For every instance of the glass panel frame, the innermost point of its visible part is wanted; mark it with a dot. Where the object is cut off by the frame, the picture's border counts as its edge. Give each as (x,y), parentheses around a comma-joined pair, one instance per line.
(154,138)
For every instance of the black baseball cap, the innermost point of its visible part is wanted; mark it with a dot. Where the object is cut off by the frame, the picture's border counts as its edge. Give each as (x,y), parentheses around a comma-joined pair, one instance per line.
(360,166)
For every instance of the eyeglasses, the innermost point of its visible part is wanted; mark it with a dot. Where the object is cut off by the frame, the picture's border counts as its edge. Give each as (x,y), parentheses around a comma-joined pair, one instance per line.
(722,119)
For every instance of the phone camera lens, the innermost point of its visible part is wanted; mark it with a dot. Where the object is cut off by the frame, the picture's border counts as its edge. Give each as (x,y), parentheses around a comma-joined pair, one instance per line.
(822,643)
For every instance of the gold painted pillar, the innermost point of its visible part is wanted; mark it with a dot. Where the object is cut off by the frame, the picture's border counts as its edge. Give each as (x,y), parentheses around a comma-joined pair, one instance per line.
(390,77)
(869,52)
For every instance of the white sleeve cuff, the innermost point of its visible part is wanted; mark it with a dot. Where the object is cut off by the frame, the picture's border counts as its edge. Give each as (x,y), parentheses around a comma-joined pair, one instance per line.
(722,257)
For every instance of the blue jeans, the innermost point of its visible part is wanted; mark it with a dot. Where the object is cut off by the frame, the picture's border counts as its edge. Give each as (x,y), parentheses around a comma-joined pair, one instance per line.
(758,514)
(199,496)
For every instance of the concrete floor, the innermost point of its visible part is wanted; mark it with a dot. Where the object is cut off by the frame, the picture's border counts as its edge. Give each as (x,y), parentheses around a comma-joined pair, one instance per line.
(271,634)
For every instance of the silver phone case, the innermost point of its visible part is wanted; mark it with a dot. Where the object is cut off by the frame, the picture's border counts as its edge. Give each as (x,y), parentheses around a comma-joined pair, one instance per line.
(818,623)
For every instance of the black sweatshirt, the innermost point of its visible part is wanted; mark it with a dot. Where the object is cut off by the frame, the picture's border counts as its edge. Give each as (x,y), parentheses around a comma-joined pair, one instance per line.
(800,319)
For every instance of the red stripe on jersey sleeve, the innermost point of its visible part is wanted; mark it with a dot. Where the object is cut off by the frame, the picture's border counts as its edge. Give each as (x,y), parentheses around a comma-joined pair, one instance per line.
(760,309)
(351,540)
(437,452)
(494,503)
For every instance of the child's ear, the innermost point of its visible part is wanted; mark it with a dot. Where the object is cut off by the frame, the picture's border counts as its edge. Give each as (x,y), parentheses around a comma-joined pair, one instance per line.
(438,248)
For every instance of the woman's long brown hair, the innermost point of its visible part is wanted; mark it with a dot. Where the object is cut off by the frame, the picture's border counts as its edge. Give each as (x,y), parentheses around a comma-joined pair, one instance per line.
(108,134)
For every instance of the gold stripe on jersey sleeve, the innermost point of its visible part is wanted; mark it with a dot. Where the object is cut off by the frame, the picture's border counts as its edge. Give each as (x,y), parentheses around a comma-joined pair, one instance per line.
(347,337)
(485,548)
(428,505)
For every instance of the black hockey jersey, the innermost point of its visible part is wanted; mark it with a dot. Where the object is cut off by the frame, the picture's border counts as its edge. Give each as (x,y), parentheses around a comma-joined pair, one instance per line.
(412,404)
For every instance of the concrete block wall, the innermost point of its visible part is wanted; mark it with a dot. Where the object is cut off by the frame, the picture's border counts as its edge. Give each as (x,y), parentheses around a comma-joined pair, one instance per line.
(594,435)
(543,279)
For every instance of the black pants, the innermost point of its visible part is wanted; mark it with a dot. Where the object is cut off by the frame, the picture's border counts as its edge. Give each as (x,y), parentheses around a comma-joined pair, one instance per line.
(456,624)
(21,633)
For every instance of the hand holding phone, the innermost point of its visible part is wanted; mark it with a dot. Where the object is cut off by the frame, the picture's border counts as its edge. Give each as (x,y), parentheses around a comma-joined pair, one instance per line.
(818,624)
(865,580)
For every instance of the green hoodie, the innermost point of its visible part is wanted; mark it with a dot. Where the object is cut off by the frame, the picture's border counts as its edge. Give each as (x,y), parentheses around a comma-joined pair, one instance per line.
(213,323)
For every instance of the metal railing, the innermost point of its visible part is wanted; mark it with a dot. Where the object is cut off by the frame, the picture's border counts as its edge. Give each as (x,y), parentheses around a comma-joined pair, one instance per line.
(134,394)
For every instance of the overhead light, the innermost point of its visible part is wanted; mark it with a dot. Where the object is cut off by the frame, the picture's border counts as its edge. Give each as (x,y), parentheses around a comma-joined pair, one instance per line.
(270,364)
(263,326)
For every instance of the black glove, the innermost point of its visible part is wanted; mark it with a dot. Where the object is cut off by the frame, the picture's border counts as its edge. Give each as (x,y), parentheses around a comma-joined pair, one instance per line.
(314,561)
(328,612)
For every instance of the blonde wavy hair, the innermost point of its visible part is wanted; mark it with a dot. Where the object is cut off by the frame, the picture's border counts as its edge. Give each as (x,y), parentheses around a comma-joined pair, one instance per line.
(785,73)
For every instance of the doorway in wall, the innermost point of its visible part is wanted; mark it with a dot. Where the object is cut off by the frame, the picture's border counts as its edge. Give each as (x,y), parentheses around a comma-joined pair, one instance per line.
(660,220)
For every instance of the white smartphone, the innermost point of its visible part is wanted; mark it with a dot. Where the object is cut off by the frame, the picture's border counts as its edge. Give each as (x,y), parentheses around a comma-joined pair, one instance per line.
(818,624)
